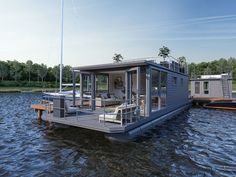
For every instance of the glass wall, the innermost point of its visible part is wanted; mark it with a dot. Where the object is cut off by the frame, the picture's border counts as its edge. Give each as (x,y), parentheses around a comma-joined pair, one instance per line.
(155,90)
(102,83)
(134,87)
(163,89)
(86,84)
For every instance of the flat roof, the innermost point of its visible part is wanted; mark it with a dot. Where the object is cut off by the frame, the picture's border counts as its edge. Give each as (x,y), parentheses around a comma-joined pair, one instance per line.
(121,65)
(208,79)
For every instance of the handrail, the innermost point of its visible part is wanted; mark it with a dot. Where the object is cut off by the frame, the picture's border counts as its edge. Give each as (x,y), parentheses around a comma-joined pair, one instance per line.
(130,110)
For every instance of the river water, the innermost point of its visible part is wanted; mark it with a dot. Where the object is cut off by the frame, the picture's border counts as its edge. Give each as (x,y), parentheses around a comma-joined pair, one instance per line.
(199,142)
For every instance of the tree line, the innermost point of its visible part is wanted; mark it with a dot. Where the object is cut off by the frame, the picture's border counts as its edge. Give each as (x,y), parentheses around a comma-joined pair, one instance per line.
(40,73)
(31,72)
(219,66)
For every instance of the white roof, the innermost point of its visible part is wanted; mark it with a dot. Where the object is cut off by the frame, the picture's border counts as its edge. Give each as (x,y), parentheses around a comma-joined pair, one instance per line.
(213,76)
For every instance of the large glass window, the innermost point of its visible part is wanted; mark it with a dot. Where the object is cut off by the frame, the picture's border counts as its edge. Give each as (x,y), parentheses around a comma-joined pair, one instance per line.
(206,87)
(86,84)
(102,83)
(197,87)
(155,90)
(163,89)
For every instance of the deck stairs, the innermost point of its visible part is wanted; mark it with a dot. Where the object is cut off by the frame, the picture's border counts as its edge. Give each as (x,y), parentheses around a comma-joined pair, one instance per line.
(225,87)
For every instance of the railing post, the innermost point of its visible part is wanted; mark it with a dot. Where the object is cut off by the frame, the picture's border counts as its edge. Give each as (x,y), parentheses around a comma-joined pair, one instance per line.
(104,109)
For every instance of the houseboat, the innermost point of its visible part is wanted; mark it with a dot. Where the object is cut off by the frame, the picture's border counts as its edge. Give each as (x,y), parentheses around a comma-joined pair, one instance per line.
(213,91)
(124,99)
(212,86)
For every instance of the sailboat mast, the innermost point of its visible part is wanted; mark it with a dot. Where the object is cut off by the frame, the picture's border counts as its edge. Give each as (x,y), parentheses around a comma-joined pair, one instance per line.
(62,21)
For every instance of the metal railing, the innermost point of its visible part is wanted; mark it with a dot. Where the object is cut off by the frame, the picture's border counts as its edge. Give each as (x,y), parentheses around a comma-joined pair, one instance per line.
(124,111)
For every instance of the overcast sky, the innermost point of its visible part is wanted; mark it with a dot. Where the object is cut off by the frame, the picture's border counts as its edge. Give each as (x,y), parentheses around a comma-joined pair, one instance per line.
(200,30)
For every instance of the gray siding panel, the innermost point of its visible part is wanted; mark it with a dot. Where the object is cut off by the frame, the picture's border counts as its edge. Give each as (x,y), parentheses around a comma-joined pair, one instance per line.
(177,95)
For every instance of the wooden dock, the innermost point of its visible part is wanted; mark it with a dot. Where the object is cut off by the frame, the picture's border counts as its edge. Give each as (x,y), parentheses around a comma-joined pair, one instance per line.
(39,108)
(201,101)
(215,103)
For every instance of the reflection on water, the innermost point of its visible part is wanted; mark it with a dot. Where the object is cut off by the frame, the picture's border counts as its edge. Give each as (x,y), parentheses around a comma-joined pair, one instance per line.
(200,142)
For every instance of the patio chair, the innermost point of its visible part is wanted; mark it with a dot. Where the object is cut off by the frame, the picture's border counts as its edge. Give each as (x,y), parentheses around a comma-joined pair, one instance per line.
(111,117)
(70,109)
(117,116)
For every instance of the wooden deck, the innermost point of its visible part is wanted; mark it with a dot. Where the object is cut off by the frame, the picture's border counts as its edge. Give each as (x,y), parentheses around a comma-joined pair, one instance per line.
(39,108)
(88,120)
(223,108)
(202,101)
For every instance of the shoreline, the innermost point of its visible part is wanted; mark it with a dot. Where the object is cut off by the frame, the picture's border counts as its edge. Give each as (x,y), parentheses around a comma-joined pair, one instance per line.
(26,90)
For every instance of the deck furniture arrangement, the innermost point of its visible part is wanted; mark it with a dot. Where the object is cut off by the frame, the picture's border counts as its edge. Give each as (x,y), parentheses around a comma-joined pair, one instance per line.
(106,99)
(100,102)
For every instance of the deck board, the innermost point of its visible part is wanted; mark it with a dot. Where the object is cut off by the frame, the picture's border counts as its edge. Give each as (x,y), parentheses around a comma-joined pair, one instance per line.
(88,120)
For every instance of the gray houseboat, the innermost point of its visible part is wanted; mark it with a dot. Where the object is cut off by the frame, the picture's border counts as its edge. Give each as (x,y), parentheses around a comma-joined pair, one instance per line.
(124,99)
(212,86)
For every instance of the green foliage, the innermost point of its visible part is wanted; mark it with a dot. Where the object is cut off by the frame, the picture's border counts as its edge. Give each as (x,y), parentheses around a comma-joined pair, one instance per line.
(164,52)
(117,58)
(27,84)
(67,74)
(29,67)
(14,73)
(15,70)
(42,71)
(214,67)
(234,85)
(4,70)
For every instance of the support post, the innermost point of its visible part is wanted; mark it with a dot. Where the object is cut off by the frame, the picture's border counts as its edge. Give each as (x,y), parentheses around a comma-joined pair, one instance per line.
(73,76)
(159,90)
(62,21)
(93,91)
(138,86)
(81,89)
(148,90)
(127,87)
(40,113)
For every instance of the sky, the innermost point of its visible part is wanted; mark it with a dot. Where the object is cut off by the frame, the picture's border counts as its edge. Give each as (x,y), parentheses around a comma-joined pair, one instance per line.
(200,30)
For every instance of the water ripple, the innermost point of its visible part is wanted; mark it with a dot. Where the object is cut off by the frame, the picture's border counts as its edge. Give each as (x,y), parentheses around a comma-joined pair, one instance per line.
(199,142)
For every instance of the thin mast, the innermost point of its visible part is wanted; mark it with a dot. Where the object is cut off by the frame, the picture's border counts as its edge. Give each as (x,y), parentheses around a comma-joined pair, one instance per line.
(62,16)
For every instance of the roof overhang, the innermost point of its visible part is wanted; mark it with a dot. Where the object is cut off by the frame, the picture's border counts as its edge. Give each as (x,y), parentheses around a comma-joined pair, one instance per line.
(111,66)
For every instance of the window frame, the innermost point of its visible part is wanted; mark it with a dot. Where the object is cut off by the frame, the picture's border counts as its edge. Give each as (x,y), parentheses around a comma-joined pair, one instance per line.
(96,83)
(197,89)
(206,87)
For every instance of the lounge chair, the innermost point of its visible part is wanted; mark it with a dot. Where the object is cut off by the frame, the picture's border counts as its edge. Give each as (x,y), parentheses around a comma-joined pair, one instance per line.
(70,109)
(129,110)
(111,117)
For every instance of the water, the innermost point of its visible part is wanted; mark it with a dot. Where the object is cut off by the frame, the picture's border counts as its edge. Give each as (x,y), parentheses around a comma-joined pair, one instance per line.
(200,142)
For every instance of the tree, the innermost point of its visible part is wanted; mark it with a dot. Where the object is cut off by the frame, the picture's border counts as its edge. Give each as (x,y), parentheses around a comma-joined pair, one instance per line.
(36,70)
(56,72)
(42,70)
(117,58)
(67,74)
(28,68)
(4,70)
(164,52)
(15,70)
